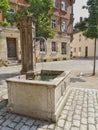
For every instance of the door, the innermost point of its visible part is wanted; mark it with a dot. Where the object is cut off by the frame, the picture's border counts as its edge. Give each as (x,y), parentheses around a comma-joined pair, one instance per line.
(86,51)
(11,47)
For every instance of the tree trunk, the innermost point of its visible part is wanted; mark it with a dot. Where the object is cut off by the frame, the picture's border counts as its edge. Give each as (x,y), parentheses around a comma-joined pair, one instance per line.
(94,67)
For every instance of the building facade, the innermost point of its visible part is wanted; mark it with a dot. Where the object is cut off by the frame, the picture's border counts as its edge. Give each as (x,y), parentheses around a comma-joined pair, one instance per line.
(83,46)
(58,48)
(54,49)
(10,36)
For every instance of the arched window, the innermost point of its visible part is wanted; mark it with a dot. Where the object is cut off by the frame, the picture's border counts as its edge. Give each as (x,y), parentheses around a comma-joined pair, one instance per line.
(63,5)
(63,26)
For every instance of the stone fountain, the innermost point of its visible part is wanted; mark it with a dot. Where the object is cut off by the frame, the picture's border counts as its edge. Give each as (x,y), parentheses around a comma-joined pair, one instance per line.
(36,98)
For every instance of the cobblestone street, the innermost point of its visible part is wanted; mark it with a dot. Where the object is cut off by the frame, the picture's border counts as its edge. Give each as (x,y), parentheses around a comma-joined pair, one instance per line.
(80,113)
(81,107)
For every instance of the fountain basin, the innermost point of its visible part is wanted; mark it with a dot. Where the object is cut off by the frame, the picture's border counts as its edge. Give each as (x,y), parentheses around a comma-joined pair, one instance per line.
(38,99)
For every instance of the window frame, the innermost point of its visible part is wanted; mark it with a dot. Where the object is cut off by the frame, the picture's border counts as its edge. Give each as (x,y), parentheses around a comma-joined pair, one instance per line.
(53,47)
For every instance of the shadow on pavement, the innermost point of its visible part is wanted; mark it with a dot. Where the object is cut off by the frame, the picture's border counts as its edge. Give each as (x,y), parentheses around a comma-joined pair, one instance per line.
(6,76)
(73,80)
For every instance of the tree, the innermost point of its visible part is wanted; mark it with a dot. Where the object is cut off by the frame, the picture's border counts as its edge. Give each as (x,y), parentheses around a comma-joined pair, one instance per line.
(90,25)
(4,6)
(41,11)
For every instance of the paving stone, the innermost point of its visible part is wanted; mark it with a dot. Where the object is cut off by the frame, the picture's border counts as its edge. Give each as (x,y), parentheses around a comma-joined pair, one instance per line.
(44,124)
(92,127)
(24,119)
(17,119)
(76,117)
(6,128)
(67,107)
(40,129)
(74,128)
(7,116)
(5,123)
(37,122)
(29,122)
(68,103)
(24,127)
(51,126)
(58,128)
(67,125)
(91,109)
(1,117)
(78,111)
(96,115)
(91,120)
(76,123)
(84,114)
(64,112)
(84,121)
(91,114)
(12,124)
(83,127)
(33,128)
(84,110)
(69,118)
(63,117)
(78,107)
(19,125)
(61,123)
(12,116)
(2,120)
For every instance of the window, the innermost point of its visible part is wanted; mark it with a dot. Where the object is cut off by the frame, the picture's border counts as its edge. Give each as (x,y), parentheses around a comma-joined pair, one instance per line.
(79,37)
(53,23)
(53,46)
(63,26)
(11,11)
(79,49)
(74,49)
(42,45)
(63,48)
(55,3)
(63,6)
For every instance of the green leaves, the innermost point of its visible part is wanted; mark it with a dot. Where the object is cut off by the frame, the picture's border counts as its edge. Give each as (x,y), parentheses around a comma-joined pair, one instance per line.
(4,6)
(41,11)
(90,25)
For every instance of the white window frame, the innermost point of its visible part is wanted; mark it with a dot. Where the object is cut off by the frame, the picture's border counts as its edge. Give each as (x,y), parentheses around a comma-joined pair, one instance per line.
(55,3)
(63,6)
(63,26)
(53,23)
(53,46)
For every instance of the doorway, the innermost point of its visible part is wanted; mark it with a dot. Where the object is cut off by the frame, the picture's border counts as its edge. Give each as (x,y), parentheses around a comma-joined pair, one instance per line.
(86,51)
(11,48)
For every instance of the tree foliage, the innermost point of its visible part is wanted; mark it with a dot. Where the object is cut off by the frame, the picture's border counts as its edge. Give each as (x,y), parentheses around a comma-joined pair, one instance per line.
(4,6)
(41,11)
(90,25)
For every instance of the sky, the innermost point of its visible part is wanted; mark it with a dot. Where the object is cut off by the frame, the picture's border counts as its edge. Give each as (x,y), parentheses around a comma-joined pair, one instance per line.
(78,11)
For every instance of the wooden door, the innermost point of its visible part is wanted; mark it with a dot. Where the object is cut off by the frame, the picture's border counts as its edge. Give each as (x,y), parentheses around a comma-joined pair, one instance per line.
(11,47)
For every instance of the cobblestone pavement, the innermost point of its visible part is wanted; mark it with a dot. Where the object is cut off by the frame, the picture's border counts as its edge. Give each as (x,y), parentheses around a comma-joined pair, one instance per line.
(80,113)
(81,107)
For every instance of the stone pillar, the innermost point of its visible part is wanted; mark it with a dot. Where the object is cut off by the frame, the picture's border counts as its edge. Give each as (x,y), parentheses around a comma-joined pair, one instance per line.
(26,27)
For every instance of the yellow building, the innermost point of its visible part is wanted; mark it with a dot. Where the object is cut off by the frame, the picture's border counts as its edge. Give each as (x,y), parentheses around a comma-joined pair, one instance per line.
(83,46)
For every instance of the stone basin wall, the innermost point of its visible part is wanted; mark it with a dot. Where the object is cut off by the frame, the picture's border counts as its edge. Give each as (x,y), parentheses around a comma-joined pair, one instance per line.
(38,99)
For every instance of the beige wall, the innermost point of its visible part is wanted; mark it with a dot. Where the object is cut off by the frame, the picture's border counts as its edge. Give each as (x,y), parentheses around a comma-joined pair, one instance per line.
(83,42)
(48,55)
(9,33)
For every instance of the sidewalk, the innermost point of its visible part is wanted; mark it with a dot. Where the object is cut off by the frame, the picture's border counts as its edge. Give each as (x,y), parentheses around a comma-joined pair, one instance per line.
(80,111)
